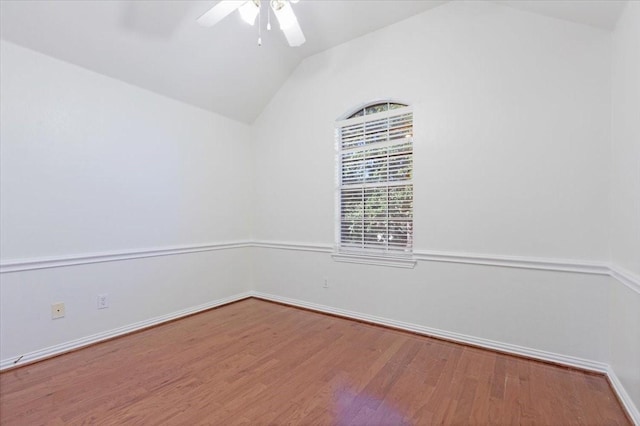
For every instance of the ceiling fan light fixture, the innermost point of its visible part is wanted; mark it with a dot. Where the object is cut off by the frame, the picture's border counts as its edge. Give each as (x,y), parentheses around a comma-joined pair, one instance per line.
(249,11)
(288,22)
(284,13)
(276,4)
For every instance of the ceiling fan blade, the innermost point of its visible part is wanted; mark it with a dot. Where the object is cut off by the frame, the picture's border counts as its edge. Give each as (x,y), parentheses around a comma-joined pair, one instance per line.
(218,12)
(294,35)
(289,24)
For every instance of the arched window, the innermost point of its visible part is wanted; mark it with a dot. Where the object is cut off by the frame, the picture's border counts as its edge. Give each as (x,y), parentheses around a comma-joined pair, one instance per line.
(375,108)
(374,148)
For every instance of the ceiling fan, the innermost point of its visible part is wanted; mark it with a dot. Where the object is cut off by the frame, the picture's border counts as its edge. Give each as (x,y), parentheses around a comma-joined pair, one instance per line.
(250,9)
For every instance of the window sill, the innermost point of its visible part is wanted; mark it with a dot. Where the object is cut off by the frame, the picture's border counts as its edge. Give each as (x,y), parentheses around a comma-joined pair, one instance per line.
(366,259)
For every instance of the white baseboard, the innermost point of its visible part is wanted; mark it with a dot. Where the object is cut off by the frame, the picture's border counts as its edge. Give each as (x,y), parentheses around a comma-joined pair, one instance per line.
(623,396)
(569,361)
(105,335)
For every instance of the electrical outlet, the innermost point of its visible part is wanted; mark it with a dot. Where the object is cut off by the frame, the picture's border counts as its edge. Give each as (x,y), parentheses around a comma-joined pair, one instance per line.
(326,283)
(57,310)
(103,301)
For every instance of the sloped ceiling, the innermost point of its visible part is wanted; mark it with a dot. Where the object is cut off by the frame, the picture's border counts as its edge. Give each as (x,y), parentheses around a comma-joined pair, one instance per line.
(597,13)
(159,46)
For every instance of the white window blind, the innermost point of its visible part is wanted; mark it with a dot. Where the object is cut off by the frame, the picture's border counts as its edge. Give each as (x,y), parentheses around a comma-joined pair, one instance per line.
(375,186)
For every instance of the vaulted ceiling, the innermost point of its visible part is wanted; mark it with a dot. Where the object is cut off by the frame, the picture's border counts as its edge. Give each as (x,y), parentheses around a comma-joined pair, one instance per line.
(159,46)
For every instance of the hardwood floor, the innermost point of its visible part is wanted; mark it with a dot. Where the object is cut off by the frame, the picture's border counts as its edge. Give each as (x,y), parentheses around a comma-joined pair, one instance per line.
(255,362)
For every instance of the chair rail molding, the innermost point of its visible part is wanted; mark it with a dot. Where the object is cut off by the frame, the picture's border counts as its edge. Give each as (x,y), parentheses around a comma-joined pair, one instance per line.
(625,277)
(19,265)
(587,267)
(525,262)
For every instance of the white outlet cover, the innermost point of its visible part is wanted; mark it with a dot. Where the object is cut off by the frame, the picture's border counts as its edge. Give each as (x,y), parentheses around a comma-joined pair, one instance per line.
(57,310)
(103,301)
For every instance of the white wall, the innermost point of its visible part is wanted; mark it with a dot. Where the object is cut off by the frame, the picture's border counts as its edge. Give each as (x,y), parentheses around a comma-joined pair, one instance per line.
(510,141)
(512,122)
(140,291)
(625,146)
(625,198)
(541,310)
(92,165)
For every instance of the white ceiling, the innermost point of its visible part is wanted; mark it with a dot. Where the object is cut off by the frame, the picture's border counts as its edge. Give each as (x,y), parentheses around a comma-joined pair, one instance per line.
(597,13)
(159,46)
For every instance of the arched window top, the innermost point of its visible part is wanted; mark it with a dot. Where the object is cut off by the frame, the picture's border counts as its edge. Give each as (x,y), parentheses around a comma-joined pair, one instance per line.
(375,108)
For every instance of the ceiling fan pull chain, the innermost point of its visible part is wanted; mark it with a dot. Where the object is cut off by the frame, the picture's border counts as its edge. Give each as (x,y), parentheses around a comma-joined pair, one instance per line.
(259,24)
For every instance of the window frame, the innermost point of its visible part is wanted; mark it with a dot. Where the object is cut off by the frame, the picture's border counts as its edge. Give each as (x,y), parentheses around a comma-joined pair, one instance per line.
(389,255)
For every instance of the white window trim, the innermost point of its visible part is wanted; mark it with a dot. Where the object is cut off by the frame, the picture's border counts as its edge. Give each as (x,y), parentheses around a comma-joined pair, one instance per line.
(360,255)
(369,259)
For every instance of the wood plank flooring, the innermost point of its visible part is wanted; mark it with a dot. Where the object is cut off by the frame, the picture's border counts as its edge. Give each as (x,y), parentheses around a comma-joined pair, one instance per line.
(255,362)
